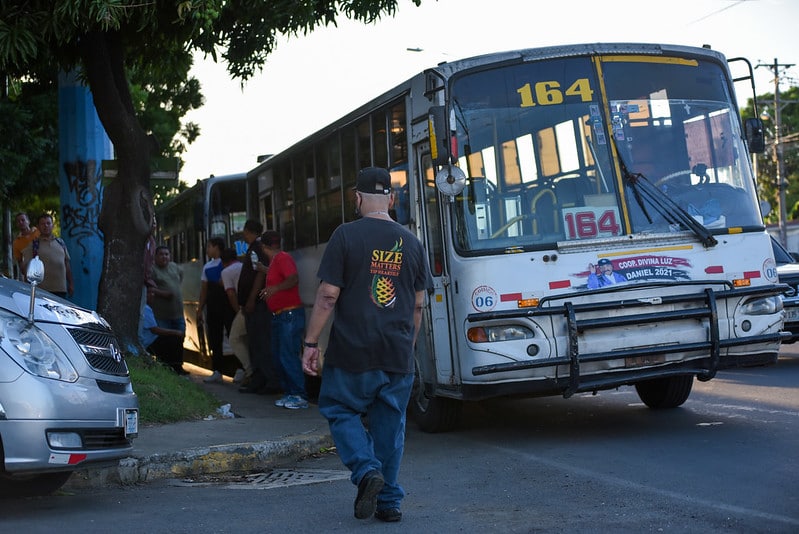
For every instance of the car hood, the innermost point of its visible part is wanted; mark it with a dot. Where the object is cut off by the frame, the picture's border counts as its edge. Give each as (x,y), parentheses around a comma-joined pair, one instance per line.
(15,297)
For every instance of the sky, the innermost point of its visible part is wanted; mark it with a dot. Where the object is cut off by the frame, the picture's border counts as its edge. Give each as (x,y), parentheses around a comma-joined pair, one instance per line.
(311,80)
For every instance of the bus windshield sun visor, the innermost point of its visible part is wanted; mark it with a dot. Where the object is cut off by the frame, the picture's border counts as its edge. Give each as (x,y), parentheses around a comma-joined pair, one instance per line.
(645,191)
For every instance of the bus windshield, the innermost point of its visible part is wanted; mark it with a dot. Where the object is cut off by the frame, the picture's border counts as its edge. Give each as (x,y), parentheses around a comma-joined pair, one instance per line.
(574,148)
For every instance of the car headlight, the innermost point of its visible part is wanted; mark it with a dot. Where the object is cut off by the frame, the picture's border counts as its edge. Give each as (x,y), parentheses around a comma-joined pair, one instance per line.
(33,349)
(764,306)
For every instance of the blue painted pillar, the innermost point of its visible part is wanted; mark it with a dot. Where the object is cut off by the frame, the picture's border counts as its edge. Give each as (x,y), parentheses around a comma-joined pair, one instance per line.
(82,146)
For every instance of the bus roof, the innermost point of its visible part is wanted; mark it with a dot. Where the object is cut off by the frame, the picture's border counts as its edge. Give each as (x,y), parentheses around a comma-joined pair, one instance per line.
(446,69)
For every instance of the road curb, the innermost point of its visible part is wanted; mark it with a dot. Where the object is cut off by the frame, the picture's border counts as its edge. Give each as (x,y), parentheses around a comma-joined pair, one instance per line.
(191,462)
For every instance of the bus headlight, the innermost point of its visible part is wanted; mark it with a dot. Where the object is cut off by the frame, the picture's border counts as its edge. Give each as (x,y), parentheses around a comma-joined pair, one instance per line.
(764,306)
(503,332)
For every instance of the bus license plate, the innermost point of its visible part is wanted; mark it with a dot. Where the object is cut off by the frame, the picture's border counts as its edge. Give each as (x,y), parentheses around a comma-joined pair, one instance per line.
(792,314)
(131,422)
(640,361)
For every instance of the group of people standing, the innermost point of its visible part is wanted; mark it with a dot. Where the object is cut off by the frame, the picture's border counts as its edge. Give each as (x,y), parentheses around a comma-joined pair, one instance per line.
(40,242)
(257,302)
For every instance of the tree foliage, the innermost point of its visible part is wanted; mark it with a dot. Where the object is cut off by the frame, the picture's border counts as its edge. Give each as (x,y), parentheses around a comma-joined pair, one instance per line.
(29,133)
(789,140)
(105,39)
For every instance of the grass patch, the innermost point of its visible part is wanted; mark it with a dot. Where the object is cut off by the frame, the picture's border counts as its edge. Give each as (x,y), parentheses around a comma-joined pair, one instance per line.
(165,397)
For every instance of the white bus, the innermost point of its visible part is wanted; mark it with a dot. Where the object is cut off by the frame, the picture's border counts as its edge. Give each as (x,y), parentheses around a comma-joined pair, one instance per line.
(589,211)
(214,207)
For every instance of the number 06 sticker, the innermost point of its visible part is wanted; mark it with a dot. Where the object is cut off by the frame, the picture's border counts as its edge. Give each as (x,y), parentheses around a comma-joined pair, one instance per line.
(484,298)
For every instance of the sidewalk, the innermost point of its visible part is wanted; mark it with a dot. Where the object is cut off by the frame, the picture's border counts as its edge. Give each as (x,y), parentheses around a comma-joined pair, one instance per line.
(260,436)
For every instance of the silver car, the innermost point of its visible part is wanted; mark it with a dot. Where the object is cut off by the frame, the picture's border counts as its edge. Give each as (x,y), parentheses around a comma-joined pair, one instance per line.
(788,273)
(66,401)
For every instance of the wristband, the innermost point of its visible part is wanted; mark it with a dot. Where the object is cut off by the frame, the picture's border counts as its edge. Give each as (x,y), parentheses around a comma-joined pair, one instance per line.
(310,345)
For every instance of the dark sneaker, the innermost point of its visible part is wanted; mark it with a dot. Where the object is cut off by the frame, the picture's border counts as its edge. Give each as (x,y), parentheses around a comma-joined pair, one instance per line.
(368,488)
(389,515)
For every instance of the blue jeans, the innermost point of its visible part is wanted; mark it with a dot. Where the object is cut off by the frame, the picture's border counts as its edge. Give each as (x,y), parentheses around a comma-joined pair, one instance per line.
(383,397)
(287,331)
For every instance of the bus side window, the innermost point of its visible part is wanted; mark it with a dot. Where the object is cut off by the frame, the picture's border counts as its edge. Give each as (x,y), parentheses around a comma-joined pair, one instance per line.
(402,205)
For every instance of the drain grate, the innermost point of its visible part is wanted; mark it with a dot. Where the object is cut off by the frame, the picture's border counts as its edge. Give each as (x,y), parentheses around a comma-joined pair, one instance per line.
(278,478)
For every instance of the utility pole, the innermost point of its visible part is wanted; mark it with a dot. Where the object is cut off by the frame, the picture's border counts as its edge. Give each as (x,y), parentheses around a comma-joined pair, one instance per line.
(782,182)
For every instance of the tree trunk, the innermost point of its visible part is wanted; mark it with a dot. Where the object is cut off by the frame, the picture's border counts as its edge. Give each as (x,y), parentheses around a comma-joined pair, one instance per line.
(127,208)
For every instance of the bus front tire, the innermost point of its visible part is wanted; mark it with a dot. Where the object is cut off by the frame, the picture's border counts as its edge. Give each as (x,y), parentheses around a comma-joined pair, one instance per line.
(434,414)
(664,393)
(438,414)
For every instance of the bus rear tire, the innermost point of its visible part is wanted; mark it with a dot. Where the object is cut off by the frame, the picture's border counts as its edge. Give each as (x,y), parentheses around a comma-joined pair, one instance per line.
(664,393)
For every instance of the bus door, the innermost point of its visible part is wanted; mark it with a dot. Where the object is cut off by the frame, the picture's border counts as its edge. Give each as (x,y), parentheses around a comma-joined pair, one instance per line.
(437,325)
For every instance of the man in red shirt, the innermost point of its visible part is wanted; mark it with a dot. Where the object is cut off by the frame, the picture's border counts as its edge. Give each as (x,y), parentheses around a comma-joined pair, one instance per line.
(282,296)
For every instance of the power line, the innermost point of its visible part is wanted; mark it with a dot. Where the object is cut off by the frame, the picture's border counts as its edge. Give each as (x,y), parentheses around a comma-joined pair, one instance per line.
(716,12)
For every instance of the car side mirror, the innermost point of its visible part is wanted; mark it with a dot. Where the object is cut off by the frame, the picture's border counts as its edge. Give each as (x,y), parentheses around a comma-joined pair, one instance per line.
(35,275)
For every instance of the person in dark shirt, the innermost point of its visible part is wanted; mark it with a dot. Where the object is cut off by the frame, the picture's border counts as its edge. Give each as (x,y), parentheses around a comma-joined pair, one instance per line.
(257,316)
(374,274)
(218,314)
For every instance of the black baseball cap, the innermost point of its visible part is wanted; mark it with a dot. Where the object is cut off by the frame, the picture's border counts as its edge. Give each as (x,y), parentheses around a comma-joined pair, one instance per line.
(374,180)
(604,261)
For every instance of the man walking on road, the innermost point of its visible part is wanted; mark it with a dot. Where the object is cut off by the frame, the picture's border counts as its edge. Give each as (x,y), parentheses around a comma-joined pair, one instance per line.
(374,273)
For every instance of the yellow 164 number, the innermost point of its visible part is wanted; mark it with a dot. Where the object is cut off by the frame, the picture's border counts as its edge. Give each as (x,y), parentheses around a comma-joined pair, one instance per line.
(550,93)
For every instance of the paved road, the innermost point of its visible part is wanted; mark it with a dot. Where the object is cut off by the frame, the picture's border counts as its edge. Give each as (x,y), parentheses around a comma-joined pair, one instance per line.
(724,462)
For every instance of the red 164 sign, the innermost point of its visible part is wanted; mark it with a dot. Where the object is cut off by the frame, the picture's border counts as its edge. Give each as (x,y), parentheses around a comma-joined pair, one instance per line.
(591,221)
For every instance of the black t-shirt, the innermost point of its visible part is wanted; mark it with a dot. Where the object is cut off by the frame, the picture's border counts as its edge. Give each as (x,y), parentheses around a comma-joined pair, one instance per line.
(379,266)
(248,272)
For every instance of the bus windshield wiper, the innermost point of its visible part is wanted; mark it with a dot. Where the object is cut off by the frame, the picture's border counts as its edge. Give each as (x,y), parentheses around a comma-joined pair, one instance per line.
(644,190)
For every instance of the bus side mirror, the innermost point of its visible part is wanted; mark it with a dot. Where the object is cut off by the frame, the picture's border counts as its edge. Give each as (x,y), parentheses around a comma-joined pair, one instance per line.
(755,136)
(439,135)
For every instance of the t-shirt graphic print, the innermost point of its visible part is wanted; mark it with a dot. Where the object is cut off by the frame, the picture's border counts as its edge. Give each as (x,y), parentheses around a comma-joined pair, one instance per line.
(385,267)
